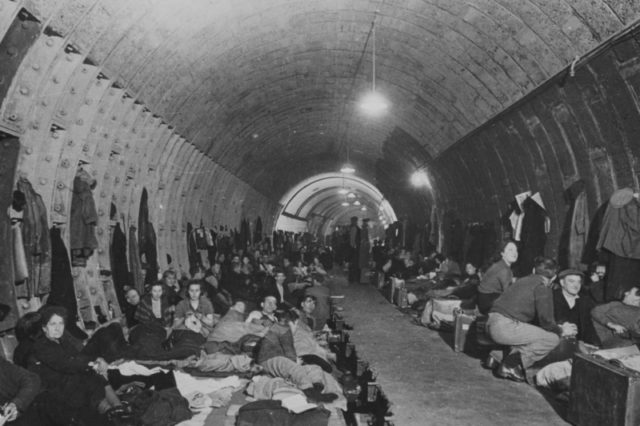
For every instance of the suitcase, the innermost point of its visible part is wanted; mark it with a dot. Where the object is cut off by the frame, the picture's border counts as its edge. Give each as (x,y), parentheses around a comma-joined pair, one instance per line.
(463,322)
(603,393)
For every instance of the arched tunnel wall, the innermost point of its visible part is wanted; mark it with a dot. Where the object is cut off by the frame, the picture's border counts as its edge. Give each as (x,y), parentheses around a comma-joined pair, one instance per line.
(65,112)
(578,126)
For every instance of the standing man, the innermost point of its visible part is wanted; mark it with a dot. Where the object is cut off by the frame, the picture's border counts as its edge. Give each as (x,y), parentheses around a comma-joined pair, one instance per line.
(363,252)
(354,250)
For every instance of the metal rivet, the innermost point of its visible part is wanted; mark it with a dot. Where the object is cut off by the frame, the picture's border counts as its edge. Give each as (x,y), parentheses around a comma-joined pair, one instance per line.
(69,58)
(65,163)
(70,142)
(84,70)
(63,112)
(29,150)
(48,158)
(85,147)
(12,51)
(13,117)
(72,90)
(100,251)
(79,122)
(55,80)
(93,130)
(87,101)
(43,181)
(35,67)
(35,125)
(44,102)
(60,185)
(58,207)
(55,135)
(24,91)
(117,180)
(49,42)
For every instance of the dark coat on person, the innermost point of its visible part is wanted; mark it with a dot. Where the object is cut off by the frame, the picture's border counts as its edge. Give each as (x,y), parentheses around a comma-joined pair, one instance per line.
(64,369)
(277,342)
(144,312)
(17,385)
(580,315)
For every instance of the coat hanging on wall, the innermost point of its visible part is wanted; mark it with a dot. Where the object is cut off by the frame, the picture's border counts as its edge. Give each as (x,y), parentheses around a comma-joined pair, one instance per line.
(147,240)
(63,292)
(119,263)
(9,149)
(83,219)
(37,245)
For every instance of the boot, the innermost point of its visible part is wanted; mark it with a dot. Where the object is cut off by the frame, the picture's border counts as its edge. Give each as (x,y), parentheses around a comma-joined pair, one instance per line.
(511,368)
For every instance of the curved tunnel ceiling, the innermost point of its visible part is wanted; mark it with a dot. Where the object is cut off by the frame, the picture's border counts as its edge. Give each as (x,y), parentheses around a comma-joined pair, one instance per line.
(268,89)
(320,198)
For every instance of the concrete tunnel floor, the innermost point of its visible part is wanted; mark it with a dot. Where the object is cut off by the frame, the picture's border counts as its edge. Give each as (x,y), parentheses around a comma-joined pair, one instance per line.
(426,382)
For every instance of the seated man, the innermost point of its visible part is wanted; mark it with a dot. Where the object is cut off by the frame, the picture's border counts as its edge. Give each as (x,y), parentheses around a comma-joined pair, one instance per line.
(132,300)
(279,288)
(307,305)
(510,321)
(265,317)
(618,323)
(570,307)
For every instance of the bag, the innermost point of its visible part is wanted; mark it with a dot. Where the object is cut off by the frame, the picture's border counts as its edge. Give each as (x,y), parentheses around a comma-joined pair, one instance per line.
(603,393)
(270,412)
(267,412)
(463,325)
(439,311)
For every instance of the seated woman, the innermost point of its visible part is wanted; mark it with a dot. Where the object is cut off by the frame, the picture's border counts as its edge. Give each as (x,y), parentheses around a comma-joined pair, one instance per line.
(154,308)
(195,313)
(65,370)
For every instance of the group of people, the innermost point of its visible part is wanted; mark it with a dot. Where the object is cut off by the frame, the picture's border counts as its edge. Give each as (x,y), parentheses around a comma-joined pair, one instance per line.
(271,309)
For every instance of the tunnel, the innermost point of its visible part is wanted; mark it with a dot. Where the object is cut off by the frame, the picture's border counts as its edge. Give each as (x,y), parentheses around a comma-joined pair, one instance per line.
(233,119)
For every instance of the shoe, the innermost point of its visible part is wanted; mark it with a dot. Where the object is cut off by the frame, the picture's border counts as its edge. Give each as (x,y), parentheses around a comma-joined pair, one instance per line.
(490,363)
(315,395)
(121,412)
(516,374)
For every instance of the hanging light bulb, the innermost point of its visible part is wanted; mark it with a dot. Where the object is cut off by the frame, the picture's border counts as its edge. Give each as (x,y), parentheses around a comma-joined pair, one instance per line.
(363,208)
(343,191)
(373,103)
(356,203)
(345,204)
(351,195)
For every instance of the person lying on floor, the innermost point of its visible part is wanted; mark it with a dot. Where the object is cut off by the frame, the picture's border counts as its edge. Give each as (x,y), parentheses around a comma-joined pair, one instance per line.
(265,317)
(618,323)
(307,347)
(232,332)
(510,321)
(277,355)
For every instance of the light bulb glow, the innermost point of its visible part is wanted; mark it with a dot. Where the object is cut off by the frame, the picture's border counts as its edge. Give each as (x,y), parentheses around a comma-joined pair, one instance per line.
(419,178)
(374,104)
(348,169)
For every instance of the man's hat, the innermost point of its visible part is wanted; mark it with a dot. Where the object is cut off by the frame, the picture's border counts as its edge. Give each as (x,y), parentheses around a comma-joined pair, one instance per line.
(570,271)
